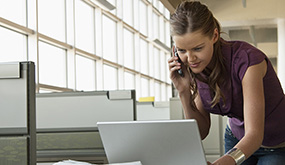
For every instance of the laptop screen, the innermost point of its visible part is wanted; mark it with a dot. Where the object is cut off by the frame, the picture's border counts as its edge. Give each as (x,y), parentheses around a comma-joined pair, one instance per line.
(160,142)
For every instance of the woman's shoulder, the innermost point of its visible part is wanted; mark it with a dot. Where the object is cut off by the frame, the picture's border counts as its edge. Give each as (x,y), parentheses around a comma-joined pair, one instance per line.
(241,47)
(239,55)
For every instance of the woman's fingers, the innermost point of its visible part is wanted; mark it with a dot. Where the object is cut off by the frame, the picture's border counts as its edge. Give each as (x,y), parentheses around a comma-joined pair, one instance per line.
(173,64)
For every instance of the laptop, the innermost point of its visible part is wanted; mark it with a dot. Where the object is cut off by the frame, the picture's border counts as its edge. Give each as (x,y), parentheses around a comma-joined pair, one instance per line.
(162,142)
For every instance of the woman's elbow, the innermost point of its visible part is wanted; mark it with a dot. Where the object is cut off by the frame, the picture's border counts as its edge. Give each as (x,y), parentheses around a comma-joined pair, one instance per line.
(256,136)
(204,135)
(205,132)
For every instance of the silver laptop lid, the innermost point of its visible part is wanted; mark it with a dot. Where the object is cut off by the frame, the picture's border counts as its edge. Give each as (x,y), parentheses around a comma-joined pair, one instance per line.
(163,142)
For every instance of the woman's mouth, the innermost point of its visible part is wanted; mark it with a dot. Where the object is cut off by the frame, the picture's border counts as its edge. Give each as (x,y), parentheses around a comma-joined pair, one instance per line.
(194,65)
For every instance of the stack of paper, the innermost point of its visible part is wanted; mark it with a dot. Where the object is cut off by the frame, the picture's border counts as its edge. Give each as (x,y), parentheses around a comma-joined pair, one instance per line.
(73,162)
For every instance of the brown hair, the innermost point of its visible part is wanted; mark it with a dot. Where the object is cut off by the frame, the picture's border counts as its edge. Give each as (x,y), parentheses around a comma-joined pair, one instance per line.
(192,16)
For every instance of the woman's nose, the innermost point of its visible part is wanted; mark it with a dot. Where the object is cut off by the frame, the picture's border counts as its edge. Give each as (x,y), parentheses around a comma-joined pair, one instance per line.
(191,57)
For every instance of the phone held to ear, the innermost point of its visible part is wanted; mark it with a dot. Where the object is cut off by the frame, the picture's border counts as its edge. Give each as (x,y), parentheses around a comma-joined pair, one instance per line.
(179,60)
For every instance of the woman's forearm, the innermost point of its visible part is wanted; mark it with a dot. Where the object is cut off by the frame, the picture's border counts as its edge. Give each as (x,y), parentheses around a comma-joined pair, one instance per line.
(250,143)
(202,117)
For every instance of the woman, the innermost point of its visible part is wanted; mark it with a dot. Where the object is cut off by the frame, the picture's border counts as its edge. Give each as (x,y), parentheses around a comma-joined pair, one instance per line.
(229,78)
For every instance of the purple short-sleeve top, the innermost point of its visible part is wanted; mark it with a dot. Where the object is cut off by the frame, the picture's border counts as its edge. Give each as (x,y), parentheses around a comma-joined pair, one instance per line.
(238,57)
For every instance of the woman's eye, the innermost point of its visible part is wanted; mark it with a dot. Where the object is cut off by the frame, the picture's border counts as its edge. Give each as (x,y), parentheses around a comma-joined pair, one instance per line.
(181,51)
(198,48)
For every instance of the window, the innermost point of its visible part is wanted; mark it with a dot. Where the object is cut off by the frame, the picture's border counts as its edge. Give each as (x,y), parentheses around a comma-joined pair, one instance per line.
(161,30)
(157,91)
(128,48)
(51,19)
(164,96)
(167,70)
(163,64)
(52,65)
(167,14)
(78,45)
(156,69)
(109,39)
(129,82)
(128,11)
(167,33)
(151,88)
(84,26)
(143,56)
(14,10)
(85,73)
(160,7)
(155,3)
(8,41)
(155,25)
(110,78)
(143,18)
(144,87)
(169,92)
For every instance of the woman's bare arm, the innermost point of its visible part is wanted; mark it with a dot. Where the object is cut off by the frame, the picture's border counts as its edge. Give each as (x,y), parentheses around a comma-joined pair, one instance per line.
(254,112)
(201,116)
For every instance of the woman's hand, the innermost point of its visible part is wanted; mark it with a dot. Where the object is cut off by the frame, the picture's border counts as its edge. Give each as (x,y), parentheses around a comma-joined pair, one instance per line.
(180,83)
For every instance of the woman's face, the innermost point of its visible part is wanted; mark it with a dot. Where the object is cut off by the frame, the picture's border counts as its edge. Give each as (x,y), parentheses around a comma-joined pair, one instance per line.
(195,50)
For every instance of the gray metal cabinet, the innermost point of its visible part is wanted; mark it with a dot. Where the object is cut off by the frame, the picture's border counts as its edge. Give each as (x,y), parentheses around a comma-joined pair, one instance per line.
(17,113)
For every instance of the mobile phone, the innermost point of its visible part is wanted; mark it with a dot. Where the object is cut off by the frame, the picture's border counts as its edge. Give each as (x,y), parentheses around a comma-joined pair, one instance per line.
(179,60)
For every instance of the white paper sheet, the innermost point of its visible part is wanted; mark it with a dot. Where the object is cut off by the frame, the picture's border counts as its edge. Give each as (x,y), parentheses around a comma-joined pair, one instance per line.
(73,162)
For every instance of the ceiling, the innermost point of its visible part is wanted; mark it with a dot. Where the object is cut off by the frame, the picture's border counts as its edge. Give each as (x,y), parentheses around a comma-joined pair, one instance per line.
(254,21)
(239,13)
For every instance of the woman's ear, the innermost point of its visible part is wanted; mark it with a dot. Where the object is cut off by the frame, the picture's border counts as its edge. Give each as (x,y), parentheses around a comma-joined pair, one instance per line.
(215,35)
